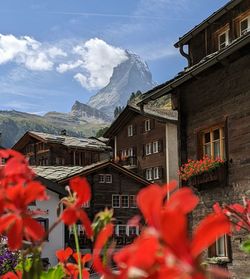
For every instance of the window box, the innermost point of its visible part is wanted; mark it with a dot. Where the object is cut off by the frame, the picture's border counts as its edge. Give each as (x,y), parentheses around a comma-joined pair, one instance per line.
(217,175)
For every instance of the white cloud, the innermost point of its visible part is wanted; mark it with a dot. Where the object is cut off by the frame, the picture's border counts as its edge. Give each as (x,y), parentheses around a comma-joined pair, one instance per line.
(99,60)
(28,52)
(64,67)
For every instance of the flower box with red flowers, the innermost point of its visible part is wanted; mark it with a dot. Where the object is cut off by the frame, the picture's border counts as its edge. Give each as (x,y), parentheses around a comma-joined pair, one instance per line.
(204,171)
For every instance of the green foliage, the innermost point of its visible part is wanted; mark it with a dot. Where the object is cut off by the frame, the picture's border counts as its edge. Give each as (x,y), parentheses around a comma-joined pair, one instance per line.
(100,132)
(53,273)
(118,111)
(134,96)
(246,246)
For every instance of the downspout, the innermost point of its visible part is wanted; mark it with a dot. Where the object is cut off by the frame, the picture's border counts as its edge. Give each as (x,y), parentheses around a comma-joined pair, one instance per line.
(184,54)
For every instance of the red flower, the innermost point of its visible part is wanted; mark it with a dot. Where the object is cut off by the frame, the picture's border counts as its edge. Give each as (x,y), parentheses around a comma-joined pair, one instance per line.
(12,275)
(74,211)
(71,269)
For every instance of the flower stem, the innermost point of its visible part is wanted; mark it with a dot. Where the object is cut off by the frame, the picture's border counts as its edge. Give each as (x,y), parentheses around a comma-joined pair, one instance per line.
(78,251)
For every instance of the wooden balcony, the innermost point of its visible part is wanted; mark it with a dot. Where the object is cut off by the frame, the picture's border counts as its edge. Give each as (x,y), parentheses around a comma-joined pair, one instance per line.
(213,178)
(129,162)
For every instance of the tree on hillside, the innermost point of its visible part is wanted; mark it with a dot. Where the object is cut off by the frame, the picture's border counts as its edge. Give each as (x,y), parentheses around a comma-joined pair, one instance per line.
(117,111)
(134,96)
(100,132)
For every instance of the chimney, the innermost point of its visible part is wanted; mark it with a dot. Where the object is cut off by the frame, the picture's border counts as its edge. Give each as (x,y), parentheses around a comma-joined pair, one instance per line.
(64,132)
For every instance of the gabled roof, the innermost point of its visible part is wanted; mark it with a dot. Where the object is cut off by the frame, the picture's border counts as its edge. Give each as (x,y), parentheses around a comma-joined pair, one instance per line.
(68,141)
(52,186)
(212,18)
(61,174)
(190,73)
(131,111)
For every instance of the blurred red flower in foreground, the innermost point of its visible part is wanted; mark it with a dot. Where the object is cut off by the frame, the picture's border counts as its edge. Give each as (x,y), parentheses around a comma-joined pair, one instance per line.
(74,204)
(164,249)
(18,191)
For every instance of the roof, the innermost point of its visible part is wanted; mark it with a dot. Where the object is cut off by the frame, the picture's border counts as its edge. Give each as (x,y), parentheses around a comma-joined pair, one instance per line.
(191,72)
(212,18)
(60,174)
(68,141)
(52,186)
(131,110)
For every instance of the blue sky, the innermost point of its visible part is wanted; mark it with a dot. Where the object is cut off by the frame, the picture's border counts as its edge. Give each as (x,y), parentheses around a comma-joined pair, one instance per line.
(53,52)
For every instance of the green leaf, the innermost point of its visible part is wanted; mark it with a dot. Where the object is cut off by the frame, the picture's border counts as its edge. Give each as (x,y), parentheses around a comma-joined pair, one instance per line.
(53,273)
(246,246)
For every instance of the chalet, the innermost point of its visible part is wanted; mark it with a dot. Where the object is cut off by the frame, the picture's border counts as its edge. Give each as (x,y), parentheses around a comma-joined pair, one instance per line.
(146,142)
(48,149)
(212,96)
(112,186)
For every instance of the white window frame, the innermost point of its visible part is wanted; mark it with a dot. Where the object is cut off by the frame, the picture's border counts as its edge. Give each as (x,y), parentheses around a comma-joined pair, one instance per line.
(224,248)
(132,203)
(121,204)
(114,196)
(226,41)
(156,173)
(128,231)
(156,146)
(248,26)
(124,153)
(86,204)
(149,175)
(130,130)
(117,230)
(111,178)
(148,148)
(102,181)
(147,125)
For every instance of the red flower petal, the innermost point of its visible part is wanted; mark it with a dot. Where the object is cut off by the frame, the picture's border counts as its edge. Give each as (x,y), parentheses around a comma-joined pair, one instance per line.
(83,217)
(33,230)
(210,228)
(35,191)
(63,255)
(69,216)
(82,188)
(15,234)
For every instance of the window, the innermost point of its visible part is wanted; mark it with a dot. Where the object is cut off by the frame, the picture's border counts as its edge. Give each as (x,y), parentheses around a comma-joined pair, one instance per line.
(147,126)
(132,201)
(130,130)
(101,178)
(223,39)
(124,201)
(108,178)
(105,178)
(124,153)
(131,152)
(149,174)
(156,173)
(120,230)
(220,248)
(44,222)
(213,142)
(115,201)
(155,146)
(132,230)
(86,204)
(148,148)
(245,26)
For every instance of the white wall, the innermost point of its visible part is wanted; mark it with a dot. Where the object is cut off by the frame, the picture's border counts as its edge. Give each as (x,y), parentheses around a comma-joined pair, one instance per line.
(56,238)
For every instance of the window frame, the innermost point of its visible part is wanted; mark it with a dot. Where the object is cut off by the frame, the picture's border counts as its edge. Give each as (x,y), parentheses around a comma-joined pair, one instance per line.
(147,125)
(158,173)
(111,178)
(221,140)
(226,32)
(130,130)
(100,180)
(121,201)
(248,27)
(148,171)
(44,222)
(148,149)
(132,201)
(155,143)
(119,198)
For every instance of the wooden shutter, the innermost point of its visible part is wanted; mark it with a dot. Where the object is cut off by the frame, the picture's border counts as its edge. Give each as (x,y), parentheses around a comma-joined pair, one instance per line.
(199,145)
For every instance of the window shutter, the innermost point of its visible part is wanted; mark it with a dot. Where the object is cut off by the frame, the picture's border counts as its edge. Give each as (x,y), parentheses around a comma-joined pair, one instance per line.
(152,123)
(134,129)
(160,172)
(160,145)
(199,145)
(229,247)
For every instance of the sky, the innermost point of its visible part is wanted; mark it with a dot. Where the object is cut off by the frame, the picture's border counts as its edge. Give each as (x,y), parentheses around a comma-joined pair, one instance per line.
(54,52)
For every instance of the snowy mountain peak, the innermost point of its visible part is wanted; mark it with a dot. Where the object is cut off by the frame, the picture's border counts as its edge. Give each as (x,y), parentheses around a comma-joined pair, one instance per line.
(129,76)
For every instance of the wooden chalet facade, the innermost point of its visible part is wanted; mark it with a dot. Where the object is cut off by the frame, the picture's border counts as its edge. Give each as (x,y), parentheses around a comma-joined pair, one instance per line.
(112,186)
(212,97)
(146,142)
(47,149)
